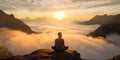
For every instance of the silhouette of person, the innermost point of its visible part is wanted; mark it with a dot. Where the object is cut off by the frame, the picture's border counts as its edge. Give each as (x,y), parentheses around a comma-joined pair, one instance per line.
(59,44)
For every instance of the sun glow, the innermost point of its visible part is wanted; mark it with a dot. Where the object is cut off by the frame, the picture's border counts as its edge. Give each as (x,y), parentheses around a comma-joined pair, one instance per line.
(59,15)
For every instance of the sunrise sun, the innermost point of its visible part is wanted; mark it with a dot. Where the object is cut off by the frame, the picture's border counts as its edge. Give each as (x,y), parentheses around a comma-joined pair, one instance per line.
(59,15)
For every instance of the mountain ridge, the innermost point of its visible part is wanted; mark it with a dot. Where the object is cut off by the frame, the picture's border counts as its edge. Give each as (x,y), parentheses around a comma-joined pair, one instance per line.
(99,19)
(109,24)
(13,23)
(113,26)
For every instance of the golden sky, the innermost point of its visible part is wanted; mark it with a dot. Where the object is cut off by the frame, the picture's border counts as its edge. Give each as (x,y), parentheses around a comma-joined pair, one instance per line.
(75,9)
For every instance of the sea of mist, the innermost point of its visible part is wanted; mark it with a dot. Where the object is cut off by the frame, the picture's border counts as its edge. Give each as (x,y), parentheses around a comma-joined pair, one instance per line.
(74,35)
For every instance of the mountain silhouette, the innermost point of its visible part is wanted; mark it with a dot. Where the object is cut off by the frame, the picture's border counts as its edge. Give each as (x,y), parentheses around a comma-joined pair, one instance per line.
(106,30)
(112,27)
(116,19)
(102,19)
(99,19)
(10,22)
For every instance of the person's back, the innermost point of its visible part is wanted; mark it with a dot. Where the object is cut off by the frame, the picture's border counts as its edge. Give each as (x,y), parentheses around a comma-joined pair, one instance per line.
(59,43)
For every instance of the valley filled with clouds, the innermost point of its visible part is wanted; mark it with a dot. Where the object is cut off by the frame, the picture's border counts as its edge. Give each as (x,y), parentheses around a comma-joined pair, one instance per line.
(21,43)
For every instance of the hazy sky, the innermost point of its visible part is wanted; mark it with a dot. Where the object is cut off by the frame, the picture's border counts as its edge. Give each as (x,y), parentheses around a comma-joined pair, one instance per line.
(75,8)
(74,35)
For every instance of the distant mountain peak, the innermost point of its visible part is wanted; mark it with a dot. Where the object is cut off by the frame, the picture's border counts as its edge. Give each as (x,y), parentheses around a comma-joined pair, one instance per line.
(99,19)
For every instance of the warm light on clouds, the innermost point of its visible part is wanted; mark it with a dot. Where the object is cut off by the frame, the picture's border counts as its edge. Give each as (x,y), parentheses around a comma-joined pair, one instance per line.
(54,5)
(36,8)
(43,15)
(95,48)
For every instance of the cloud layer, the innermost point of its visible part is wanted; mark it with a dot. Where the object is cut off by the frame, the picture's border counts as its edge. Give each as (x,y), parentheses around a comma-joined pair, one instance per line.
(51,5)
(90,48)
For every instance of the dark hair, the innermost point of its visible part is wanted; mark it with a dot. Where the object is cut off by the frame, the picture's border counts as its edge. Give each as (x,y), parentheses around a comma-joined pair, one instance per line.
(59,34)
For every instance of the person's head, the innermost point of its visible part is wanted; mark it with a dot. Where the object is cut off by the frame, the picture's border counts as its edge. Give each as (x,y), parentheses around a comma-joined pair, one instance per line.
(59,34)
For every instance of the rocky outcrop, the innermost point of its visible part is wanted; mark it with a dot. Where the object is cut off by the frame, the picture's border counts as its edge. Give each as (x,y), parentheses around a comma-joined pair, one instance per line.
(10,22)
(48,54)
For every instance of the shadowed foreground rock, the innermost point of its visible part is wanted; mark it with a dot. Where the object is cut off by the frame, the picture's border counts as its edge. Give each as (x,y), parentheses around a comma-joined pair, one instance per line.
(48,54)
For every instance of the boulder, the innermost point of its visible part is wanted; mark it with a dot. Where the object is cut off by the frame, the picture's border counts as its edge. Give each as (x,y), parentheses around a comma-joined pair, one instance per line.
(48,54)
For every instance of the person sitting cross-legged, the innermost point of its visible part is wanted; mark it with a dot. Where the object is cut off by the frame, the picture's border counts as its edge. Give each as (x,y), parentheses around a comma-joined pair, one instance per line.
(59,44)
